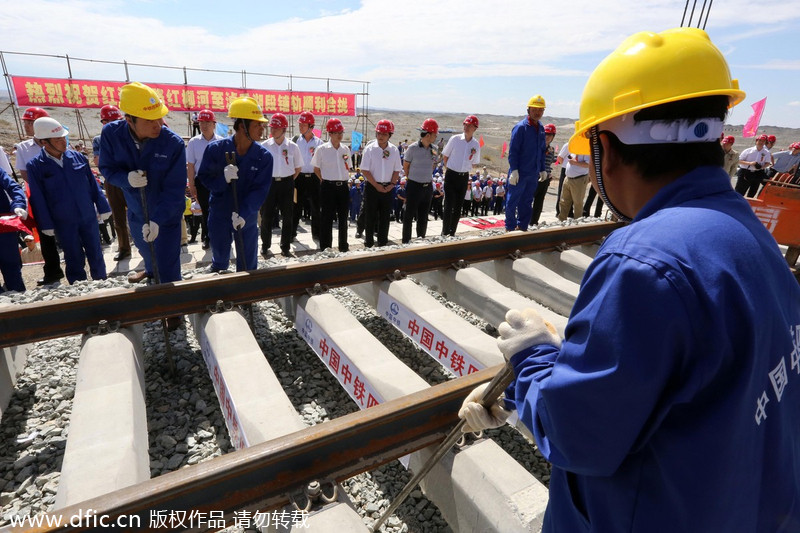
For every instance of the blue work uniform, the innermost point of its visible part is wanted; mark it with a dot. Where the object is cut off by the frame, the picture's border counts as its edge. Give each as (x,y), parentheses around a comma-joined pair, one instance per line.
(68,199)
(674,402)
(255,177)
(163,159)
(526,155)
(12,197)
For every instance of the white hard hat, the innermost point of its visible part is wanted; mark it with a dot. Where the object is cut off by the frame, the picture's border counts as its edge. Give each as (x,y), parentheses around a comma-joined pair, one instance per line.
(48,128)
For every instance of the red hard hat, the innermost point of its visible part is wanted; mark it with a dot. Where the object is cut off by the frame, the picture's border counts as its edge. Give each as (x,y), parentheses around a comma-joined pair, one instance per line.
(795,146)
(471,119)
(762,138)
(110,113)
(430,125)
(306,117)
(550,128)
(384,126)
(32,113)
(730,139)
(334,126)
(206,115)
(278,120)
(771,138)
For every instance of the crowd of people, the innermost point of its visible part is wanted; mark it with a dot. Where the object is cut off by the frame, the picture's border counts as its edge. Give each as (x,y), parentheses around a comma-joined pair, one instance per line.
(239,189)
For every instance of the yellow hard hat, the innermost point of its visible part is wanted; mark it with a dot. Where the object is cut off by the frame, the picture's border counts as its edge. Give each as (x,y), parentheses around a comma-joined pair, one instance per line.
(650,69)
(139,100)
(537,101)
(246,107)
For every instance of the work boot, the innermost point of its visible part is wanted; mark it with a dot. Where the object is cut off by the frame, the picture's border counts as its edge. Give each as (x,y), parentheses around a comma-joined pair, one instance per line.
(136,276)
(122,254)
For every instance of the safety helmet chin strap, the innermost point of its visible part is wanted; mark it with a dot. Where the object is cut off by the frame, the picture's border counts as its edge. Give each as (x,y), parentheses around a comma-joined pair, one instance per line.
(53,146)
(597,159)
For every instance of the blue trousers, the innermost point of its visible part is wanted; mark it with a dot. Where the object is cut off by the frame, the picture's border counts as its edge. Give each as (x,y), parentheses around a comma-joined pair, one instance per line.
(519,201)
(167,247)
(10,262)
(222,235)
(79,243)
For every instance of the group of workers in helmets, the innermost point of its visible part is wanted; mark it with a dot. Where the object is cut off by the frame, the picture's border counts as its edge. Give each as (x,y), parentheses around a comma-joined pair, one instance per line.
(671,399)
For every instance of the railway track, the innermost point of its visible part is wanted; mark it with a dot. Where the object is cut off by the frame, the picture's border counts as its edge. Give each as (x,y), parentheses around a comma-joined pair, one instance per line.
(472,280)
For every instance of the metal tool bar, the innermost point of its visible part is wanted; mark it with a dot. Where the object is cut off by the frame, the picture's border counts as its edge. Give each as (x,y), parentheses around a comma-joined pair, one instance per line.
(262,477)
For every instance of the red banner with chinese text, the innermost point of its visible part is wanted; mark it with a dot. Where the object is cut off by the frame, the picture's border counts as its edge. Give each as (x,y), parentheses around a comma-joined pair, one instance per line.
(72,93)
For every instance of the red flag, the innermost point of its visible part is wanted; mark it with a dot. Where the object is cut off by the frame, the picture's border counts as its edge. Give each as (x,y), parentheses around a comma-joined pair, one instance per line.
(751,127)
(503,154)
(480,141)
(10,222)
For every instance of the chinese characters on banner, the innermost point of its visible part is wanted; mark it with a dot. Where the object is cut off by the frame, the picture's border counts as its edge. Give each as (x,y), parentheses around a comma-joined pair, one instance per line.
(57,92)
(441,348)
(349,376)
(229,413)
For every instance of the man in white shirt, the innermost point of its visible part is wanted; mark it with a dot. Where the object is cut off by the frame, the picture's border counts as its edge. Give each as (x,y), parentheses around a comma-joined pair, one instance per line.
(753,163)
(460,154)
(381,166)
(331,165)
(488,195)
(499,196)
(194,155)
(477,198)
(26,151)
(307,183)
(577,178)
(286,164)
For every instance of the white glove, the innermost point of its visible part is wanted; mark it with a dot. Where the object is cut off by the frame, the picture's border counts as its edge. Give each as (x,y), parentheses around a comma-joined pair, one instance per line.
(542,175)
(513,178)
(523,329)
(137,179)
(104,216)
(231,173)
(48,232)
(477,416)
(21,213)
(238,222)
(150,231)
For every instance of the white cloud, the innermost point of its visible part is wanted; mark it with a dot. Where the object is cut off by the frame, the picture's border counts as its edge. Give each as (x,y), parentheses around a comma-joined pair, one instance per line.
(525,45)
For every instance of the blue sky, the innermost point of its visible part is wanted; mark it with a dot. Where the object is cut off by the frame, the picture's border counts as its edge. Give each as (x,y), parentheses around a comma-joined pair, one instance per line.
(467,56)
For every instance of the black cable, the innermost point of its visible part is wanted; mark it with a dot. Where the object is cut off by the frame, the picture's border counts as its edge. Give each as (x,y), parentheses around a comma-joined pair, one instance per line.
(685,7)
(702,10)
(691,15)
(707,14)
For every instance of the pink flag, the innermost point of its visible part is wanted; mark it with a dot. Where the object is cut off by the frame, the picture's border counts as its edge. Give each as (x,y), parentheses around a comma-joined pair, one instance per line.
(317,132)
(480,142)
(503,154)
(751,127)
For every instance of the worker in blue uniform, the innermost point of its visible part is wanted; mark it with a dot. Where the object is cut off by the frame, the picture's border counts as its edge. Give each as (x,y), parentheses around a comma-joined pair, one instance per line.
(12,200)
(252,174)
(673,401)
(525,165)
(68,200)
(140,152)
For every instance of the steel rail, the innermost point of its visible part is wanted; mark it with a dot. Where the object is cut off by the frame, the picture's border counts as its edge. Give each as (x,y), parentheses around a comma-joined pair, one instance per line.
(262,477)
(69,316)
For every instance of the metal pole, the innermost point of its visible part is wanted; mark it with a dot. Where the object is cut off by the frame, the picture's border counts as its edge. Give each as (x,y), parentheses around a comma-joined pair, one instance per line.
(496,387)
(157,277)
(12,96)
